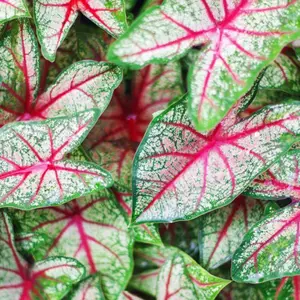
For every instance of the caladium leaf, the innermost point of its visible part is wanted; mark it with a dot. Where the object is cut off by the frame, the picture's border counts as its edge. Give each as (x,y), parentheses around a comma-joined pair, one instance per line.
(128,296)
(174,281)
(222,231)
(173,152)
(12,9)
(144,233)
(19,60)
(283,289)
(233,32)
(283,74)
(113,141)
(48,279)
(206,285)
(145,282)
(33,172)
(90,229)
(89,288)
(280,181)
(82,43)
(270,250)
(54,20)
(84,85)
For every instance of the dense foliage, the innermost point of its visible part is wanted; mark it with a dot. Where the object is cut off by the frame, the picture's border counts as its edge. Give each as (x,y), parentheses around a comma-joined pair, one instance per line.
(149,149)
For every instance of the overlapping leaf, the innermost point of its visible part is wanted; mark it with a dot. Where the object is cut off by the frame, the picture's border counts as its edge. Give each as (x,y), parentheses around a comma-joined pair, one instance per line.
(12,9)
(280,181)
(283,74)
(270,250)
(90,229)
(180,173)
(222,231)
(48,279)
(174,281)
(54,19)
(113,141)
(88,289)
(205,285)
(82,43)
(84,85)
(286,288)
(240,37)
(33,172)
(144,233)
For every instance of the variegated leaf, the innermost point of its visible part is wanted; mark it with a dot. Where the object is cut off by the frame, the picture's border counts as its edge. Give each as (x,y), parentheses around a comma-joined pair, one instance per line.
(280,181)
(206,285)
(180,174)
(48,279)
(90,229)
(19,60)
(84,85)
(82,43)
(113,141)
(283,74)
(12,9)
(241,38)
(270,250)
(88,289)
(144,233)
(33,172)
(54,19)
(222,231)
(174,281)
(145,282)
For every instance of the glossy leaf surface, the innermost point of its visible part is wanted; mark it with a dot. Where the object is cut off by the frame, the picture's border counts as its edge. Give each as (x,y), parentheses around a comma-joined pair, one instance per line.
(180,174)
(240,37)
(90,229)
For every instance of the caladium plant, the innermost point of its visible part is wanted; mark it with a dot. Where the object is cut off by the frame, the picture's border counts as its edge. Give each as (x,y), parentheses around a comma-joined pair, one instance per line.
(230,32)
(110,135)
(46,279)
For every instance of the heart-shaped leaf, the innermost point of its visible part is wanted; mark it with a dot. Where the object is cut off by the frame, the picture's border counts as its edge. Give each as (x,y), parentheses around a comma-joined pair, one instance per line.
(33,172)
(48,279)
(206,285)
(144,233)
(280,181)
(180,174)
(84,85)
(113,141)
(222,231)
(12,9)
(54,20)
(270,250)
(174,281)
(241,38)
(90,229)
